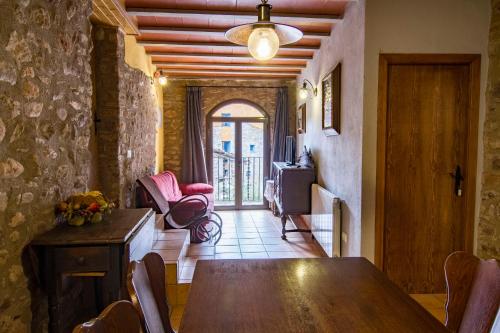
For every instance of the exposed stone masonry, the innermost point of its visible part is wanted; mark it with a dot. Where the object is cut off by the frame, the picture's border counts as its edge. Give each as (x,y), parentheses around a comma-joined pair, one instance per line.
(45,128)
(138,117)
(127,113)
(214,93)
(489,220)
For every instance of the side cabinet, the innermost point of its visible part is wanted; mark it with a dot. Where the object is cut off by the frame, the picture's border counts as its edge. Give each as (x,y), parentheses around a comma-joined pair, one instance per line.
(84,269)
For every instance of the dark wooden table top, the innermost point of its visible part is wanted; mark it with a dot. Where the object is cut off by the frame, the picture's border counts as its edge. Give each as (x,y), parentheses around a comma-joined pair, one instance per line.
(300,295)
(116,227)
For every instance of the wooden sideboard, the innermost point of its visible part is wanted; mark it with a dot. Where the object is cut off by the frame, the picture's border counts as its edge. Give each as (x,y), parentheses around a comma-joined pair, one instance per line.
(292,192)
(84,269)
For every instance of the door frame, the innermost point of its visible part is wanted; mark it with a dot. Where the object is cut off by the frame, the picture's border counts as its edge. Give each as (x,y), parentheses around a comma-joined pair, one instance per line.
(474,63)
(238,168)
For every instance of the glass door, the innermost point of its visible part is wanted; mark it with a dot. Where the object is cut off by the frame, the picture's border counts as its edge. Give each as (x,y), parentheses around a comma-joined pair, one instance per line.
(224,163)
(238,156)
(252,163)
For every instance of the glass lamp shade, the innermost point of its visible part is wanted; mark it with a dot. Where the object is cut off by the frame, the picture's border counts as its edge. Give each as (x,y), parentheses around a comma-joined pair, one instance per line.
(263,43)
(303,93)
(162,80)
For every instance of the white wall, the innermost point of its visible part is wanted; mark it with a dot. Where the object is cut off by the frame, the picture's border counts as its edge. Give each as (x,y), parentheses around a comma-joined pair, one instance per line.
(338,158)
(409,26)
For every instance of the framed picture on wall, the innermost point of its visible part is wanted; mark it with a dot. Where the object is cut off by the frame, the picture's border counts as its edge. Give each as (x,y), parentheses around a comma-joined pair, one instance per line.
(301,119)
(331,102)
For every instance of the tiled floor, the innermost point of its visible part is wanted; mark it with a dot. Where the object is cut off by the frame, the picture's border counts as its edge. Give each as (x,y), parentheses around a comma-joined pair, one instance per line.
(254,234)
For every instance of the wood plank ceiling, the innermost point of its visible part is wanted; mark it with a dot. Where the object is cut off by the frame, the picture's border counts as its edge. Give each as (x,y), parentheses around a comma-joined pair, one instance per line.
(186,37)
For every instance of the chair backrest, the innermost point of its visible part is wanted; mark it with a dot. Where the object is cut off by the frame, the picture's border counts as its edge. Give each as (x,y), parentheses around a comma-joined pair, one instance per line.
(146,287)
(168,186)
(149,196)
(473,287)
(118,317)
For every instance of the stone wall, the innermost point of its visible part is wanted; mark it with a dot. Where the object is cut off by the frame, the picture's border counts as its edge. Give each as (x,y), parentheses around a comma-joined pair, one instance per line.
(138,117)
(214,93)
(488,244)
(106,108)
(127,112)
(45,127)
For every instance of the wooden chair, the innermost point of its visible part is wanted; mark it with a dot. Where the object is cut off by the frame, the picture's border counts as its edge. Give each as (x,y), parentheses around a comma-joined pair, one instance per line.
(146,287)
(473,287)
(118,317)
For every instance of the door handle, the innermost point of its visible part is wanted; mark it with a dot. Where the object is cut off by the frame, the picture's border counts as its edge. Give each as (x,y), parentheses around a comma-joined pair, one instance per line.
(458,177)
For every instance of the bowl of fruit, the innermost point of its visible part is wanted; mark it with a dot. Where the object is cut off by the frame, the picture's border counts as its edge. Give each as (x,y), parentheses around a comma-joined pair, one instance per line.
(82,208)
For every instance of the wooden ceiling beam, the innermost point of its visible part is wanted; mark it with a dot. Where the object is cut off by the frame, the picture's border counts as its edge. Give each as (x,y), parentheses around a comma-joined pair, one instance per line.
(209,31)
(164,64)
(189,13)
(232,77)
(218,44)
(224,56)
(228,72)
(112,12)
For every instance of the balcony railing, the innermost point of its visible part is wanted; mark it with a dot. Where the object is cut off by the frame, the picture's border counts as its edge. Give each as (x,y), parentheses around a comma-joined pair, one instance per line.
(225,180)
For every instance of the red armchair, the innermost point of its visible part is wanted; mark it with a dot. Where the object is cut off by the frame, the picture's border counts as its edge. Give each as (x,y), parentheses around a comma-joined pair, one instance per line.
(185,206)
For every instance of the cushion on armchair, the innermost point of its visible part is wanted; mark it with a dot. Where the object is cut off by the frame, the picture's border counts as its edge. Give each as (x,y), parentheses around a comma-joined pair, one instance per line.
(196,188)
(185,211)
(167,185)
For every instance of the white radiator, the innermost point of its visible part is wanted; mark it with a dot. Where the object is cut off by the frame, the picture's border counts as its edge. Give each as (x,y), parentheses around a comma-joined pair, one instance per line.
(326,220)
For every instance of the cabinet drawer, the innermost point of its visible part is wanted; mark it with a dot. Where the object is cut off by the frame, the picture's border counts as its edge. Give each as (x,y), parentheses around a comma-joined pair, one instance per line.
(81,259)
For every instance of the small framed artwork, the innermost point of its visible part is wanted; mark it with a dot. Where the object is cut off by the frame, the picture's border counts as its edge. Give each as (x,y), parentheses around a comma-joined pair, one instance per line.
(301,119)
(331,102)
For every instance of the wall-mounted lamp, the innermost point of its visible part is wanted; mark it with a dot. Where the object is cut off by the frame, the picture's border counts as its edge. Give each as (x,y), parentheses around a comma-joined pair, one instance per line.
(304,93)
(162,78)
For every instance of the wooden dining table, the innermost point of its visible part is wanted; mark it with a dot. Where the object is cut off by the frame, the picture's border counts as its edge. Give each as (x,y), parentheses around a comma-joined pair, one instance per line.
(300,295)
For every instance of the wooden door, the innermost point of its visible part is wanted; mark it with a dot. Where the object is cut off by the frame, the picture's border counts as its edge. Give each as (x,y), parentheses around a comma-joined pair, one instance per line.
(427,166)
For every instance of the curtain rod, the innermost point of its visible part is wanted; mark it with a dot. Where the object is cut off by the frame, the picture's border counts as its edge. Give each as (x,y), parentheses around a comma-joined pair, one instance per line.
(271,87)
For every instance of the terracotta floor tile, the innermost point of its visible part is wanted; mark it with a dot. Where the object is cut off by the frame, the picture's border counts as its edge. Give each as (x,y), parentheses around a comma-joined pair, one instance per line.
(227,249)
(278,247)
(249,235)
(255,234)
(201,251)
(268,229)
(246,230)
(228,241)
(252,248)
(255,255)
(229,234)
(275,233)
(277,255)
(228,256)
(191,261)
(273,240)
(250,241)
(202,257)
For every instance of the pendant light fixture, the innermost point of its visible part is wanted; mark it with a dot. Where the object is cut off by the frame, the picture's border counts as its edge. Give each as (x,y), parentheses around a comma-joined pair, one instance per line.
(263,37)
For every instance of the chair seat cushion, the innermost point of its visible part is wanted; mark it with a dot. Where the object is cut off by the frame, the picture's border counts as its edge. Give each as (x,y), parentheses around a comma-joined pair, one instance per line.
(185,211)
(196,188)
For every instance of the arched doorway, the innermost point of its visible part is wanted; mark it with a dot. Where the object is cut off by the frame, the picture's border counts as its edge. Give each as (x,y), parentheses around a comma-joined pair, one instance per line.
(238,154)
